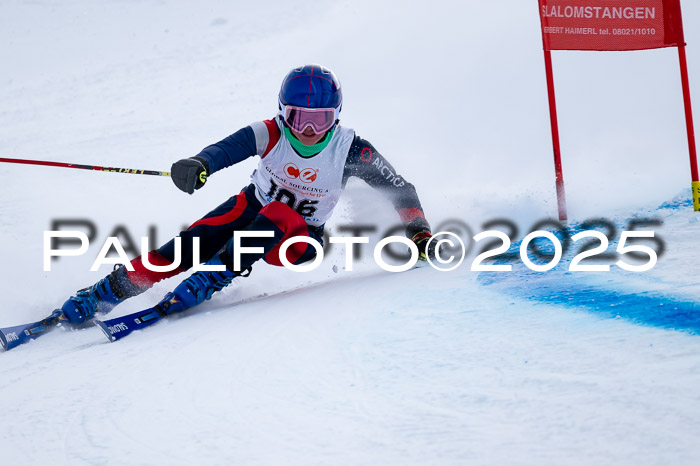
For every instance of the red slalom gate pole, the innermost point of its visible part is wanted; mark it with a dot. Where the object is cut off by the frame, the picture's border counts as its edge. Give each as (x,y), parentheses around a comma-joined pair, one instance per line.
(689,126)
(559,174)
(85,167)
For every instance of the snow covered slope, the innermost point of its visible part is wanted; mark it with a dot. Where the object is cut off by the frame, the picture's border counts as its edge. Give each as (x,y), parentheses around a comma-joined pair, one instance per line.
(363,367)
(415,368)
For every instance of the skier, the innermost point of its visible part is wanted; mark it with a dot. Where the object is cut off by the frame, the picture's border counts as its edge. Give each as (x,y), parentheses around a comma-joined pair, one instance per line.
(306,157)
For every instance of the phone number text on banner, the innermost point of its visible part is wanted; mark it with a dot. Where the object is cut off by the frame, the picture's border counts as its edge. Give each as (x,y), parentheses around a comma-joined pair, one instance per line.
(610,24)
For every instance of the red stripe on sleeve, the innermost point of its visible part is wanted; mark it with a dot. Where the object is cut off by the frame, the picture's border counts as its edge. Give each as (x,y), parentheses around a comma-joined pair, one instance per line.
(273,132)
(408,215)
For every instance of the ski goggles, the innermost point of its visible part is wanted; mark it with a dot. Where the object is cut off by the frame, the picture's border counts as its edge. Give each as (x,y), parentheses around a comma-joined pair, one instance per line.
(299,118)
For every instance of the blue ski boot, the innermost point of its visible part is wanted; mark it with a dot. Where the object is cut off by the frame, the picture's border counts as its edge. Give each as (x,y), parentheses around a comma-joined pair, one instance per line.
(101,297)
(198,287)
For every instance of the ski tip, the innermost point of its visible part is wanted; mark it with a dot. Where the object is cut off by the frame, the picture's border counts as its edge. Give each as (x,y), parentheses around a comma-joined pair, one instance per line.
(105,330)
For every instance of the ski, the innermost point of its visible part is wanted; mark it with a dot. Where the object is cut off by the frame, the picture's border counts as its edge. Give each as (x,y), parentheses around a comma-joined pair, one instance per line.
(119,327)
(12,337)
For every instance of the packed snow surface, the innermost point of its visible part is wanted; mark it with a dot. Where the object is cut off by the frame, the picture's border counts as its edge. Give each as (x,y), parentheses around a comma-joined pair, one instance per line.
(336,366)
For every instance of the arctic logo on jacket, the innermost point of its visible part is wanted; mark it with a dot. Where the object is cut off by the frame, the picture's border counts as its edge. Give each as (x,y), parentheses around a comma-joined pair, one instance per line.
(386,172)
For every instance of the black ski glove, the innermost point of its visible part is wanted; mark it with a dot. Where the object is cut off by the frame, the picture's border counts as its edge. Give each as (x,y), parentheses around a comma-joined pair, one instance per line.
(189,174)
(421,240)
